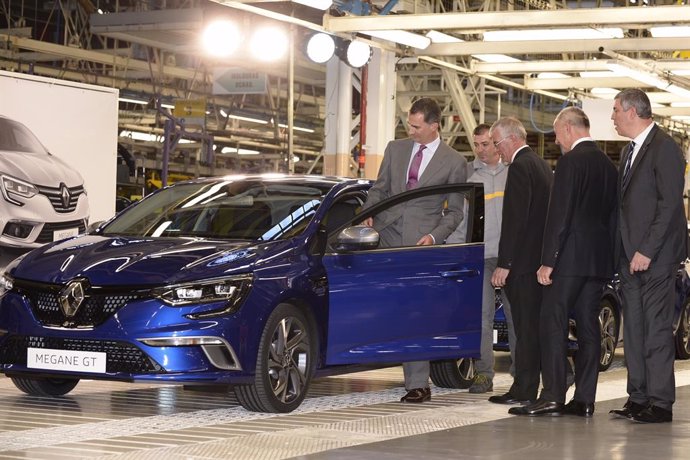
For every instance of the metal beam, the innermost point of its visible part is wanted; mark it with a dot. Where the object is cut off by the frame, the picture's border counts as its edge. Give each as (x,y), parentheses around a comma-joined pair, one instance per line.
(579,82)
(553,46)
(514,19)
(585,65)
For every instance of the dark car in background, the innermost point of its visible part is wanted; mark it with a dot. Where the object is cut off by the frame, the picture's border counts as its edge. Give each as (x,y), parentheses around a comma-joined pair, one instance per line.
(258,282)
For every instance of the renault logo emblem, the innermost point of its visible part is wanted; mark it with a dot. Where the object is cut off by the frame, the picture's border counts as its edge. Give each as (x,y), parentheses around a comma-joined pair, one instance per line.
(72,296)
(64,195)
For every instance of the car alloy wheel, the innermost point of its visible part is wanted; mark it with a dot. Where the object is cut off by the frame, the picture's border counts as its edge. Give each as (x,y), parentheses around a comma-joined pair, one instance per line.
(609,327)
(285,363)
(683,333)
(453,373)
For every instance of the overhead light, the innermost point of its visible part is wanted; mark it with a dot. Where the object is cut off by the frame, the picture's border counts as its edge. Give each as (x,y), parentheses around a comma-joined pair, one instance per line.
(318,4)
(440,37)
(239,151)
(402,37)
(269,43)
(598,74)
(133,100)
(649,78)
(320,47)
(221,38)
(355,53)
(670,31)
(604,92)
(552,75)
(552,34)
(680,104)
(680,117)
(248,118)
(296,128)
(495,58)
(678,91)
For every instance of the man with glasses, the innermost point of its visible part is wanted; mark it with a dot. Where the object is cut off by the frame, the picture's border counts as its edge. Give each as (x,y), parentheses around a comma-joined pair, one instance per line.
(519,251)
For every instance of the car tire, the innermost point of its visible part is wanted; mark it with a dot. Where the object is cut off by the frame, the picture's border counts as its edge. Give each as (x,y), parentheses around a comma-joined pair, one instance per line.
(609,325)
(44,387)
(285,363)
(458,373)
(682,337)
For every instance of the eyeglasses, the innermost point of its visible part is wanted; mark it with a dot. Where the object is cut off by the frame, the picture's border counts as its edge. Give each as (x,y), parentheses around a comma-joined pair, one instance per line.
(496,143)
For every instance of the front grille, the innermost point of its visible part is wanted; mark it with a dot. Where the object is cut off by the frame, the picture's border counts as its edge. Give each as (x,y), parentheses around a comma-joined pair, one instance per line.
(502,329)
(63,198)
(122,357)
(46,235)
(96,308)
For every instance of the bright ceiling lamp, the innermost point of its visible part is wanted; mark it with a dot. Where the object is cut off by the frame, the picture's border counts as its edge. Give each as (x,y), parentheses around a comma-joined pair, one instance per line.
(544,75)
(649,78)
(318,4)
(598,74)
(670,31)
(551,34)
(269,43)
(401,37)
(604,92)
(355,53)
(320,47)
(221,38)
(440,37)
(680,104)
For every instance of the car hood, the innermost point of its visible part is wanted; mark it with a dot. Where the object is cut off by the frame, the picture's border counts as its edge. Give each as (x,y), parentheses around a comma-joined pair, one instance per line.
(120,261)
(39,169)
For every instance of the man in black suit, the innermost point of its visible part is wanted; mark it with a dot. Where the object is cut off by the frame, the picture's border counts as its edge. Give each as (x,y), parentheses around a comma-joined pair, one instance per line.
(519,251)
(651,242)
(577,260)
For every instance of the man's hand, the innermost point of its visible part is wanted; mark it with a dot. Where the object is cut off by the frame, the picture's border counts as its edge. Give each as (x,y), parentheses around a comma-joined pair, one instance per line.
(544,275)
(639,263)
(369,222)
(498,279)
(426,240)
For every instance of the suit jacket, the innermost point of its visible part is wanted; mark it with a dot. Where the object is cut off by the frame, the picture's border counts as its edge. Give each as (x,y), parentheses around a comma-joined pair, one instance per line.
(524,213)
(651,219)
(580,225)
(405,224)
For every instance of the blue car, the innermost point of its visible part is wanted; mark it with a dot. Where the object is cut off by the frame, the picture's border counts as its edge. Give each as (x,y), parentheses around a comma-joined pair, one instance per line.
(260,283)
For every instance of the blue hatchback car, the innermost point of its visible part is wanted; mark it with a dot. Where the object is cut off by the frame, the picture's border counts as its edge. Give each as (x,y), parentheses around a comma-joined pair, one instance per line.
(259,283)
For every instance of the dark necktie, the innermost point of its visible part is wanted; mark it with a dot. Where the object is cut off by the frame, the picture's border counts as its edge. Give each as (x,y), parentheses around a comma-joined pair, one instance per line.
(413,175)
(628,163)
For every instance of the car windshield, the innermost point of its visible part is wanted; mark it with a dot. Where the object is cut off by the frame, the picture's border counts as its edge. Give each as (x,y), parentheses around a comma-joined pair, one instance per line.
(262,210)
(15,137)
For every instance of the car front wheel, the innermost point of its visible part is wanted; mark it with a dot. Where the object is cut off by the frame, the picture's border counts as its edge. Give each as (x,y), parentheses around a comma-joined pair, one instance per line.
(609,324)
(683,333)
(285,363)
(453,373)
(44,387)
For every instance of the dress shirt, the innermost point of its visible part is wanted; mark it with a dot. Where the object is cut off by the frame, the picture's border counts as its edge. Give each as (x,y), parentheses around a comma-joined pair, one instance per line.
(516,152)
(427,155)
(638,140)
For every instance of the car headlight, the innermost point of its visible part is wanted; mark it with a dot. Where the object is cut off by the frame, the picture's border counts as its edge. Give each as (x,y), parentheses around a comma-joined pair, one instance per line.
(231,290)
(6,283)
(12,186)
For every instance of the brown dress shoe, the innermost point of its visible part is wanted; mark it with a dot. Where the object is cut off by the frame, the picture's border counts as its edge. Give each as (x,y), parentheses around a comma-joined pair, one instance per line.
(417,395)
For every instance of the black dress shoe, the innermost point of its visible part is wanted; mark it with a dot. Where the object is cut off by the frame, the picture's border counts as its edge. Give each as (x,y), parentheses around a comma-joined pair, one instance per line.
(539,408)
(417,395)
(579,408)
(508,398)
(629,410)
(653,414)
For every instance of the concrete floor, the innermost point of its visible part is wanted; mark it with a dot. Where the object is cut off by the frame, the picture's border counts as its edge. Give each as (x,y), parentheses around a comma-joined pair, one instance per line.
(344,417)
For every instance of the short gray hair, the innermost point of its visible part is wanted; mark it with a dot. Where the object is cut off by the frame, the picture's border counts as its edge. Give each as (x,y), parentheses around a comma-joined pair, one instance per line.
(508,126)
(634,97)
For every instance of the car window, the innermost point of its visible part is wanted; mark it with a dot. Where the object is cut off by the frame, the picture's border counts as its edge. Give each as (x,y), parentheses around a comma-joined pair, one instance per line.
(245,210)
(16,137)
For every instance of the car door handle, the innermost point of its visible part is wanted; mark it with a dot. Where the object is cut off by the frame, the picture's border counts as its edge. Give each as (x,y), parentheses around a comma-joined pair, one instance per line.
(466,273)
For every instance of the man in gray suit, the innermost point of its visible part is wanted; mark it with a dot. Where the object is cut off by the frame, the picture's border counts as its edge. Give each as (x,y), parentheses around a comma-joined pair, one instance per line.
(651,242)
(420,161)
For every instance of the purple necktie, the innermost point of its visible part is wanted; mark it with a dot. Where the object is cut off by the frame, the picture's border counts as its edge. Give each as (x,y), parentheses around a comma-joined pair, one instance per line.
(413,175)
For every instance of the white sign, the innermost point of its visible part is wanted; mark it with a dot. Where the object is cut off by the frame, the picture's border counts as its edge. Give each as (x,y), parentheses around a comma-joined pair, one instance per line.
(66,360)
(236,80)
(66,233)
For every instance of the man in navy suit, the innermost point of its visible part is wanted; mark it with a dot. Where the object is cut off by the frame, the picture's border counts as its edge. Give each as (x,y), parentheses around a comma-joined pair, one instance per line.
(519,251)
(577,260)
(421,160)
(651,242)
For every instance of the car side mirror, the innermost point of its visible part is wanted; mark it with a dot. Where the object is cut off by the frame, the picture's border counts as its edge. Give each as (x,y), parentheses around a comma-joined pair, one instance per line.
(357,238)
(91,229)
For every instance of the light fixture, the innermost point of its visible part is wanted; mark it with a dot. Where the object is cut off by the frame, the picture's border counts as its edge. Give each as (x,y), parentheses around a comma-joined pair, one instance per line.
(552,75)
(552,34)
(440,37)
(648,78)
(221,38)
(250,118)
(227,150)
(320,47)
(269,43)
(132,98)
(402,37)
(318,4)
(670,31)
(355,53)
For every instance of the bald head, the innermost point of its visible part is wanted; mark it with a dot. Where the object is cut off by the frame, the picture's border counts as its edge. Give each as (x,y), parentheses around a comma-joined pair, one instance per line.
(570,125)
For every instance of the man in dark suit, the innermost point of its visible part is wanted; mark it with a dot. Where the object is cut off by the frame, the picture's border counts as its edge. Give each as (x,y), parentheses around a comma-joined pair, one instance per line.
(577,260)
(651,242)
(519,251)
(420,161)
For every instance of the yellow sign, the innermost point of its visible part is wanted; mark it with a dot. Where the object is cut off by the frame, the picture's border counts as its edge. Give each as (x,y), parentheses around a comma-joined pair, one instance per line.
(190,108)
